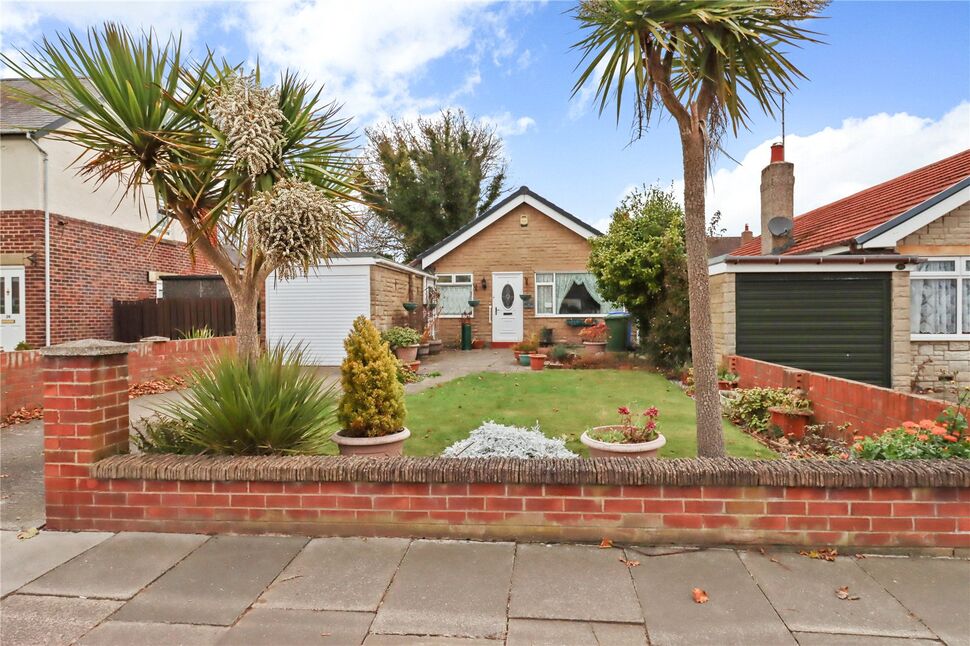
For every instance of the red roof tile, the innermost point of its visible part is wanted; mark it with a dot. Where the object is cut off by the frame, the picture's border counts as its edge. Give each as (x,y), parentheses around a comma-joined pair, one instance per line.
(837,223)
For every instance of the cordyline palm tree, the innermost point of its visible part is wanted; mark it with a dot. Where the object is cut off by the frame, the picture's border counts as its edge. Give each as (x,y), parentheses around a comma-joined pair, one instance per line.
(705,63)
(257,177)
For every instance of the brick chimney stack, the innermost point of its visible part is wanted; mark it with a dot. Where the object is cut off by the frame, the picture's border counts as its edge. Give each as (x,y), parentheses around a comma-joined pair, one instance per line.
(777,199)
(746,235)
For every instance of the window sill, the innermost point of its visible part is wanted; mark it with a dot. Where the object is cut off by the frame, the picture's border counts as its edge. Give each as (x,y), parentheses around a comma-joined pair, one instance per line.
(939,337)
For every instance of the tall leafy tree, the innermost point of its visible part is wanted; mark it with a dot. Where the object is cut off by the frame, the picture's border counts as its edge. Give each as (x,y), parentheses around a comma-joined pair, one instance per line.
(430,177)
(258,177)
(707,64)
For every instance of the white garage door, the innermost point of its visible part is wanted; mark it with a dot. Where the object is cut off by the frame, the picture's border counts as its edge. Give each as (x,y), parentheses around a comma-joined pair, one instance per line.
(318,310)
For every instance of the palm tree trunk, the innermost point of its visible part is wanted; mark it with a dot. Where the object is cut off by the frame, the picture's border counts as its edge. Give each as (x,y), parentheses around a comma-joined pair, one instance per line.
(247,321)
(710,434)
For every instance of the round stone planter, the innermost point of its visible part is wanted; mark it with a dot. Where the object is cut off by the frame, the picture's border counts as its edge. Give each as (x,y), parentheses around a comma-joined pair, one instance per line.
(590,348)
(407,353)
(388,445)
(599,449)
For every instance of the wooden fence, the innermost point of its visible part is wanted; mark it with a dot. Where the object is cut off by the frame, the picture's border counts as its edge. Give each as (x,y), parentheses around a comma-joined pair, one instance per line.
(172,317)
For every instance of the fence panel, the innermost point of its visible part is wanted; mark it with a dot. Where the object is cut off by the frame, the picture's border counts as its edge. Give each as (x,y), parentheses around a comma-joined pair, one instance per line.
(172,317)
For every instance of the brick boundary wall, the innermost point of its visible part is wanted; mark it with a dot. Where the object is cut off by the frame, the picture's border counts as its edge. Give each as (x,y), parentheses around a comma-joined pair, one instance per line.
(870,409)
(922,505)
(22,373)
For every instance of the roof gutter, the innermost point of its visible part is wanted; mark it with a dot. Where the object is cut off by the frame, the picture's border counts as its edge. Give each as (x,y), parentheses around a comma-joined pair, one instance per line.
(47,239)
(847,259)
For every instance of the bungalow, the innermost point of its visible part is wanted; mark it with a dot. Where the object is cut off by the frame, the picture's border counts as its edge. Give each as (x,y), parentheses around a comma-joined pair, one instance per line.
(873,287)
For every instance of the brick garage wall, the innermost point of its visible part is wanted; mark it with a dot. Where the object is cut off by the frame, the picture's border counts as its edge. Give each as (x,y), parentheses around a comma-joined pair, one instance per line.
(23,372)
(870,409)
(91,265)
(389,289)
(543,245)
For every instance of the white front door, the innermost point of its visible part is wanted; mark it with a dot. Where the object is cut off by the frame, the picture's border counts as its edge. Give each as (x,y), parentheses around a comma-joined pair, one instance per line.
(506,307)
(13,327)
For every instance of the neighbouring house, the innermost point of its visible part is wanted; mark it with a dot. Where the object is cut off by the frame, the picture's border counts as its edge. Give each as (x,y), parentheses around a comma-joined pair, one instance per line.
(318,310)
(873,287)
(524,246)
(96,237)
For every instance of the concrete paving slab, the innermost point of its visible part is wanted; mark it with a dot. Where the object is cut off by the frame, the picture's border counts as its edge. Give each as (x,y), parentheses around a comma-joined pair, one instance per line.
(450,588)
(820,639)
(25,560)
(425,640)
(737,612)
(22,467)
(275,626)
(576,582)
(214,584)
(543,632)
(802,590)
(937,590)
(338,574)
(117,568)
(127,633)
(31,620)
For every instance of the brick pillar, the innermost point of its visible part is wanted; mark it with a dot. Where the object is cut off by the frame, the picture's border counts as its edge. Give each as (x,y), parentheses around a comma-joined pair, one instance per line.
(85,418)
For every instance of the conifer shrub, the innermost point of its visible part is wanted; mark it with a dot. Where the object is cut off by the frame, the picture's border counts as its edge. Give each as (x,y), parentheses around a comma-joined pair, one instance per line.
(373,400)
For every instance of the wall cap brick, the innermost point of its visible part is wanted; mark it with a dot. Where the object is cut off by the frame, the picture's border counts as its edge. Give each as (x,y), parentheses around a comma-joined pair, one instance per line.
(154,339)
(612,471)
(87,348)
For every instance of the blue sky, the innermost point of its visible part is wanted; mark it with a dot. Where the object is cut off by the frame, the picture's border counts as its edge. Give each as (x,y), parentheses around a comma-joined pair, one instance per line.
(889,92)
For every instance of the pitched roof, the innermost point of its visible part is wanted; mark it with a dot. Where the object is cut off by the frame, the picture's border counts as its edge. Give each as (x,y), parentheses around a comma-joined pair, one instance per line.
(841,222)
(18,116)
(508,203)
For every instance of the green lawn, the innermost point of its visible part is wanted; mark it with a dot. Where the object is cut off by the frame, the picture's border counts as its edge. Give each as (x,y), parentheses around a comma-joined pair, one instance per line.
(565,403)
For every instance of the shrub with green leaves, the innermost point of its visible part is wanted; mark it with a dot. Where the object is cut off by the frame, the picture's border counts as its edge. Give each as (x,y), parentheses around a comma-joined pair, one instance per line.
(373,401)
(944,437)
(749,407)
(268,405)
(399,337)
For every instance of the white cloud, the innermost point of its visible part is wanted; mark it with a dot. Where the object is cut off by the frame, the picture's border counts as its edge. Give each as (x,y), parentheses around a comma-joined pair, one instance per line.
(836,162)
(508,126)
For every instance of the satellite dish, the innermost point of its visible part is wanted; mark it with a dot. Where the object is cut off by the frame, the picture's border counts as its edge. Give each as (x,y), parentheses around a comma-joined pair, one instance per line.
(780,226)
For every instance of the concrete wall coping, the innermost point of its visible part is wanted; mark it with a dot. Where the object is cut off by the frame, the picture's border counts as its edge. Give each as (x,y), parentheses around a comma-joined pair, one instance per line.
(87,348)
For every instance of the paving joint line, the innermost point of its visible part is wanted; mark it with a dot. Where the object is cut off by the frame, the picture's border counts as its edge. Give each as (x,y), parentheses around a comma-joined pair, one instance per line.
(899,601)
(387,588)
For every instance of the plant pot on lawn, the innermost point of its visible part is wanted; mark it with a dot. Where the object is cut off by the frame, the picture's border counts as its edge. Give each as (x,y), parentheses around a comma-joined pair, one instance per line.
(626,439)
(790,421)
(537,361)
(404,341)
(371,411)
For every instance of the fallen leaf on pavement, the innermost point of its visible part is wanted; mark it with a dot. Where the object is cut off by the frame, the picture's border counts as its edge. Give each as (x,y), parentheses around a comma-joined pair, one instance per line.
(826,554)
(27,533)
(630,563)
(843,594)
(699,596)
(25,414)
(606,544)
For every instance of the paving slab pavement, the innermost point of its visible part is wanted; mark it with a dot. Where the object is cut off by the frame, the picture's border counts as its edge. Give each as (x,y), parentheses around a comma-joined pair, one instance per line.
(821,639)
(575,582)
(427,640)
(544,632)
(28,619)
(449,588)
(737,613)
(129,633)
(117,568)
(789,580)
(22,485)
(22,561)
(216,583)
(937,590)
(452,364)
(338,574)
(277,626)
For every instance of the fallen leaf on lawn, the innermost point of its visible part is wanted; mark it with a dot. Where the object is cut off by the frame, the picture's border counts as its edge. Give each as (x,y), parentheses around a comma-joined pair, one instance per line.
(27,533)
(699,596)
(630,563)
(825,554)
(606,544)
(843,594)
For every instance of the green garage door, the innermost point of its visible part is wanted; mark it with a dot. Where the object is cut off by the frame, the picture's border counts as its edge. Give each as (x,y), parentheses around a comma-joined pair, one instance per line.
(837,324)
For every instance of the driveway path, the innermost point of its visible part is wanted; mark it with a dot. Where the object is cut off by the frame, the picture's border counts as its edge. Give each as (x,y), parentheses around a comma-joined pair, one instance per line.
(130,588)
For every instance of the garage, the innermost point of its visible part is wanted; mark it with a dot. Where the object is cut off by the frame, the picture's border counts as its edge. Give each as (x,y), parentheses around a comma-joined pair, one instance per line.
(318,310)
(833,323)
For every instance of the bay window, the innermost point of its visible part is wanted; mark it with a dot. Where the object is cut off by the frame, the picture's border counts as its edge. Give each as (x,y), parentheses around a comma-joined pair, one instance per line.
(456,290)
(562,293)
(940,298)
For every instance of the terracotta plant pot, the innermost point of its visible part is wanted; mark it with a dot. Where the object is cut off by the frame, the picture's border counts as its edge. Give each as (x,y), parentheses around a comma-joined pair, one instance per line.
(523,358)
(537,361)
(478,344)
(413,365)
(599,449)
(724,384)
(385,445)
(791,423)
(407,353)
(517,353)
(591,348)
(435,345)
(424,349)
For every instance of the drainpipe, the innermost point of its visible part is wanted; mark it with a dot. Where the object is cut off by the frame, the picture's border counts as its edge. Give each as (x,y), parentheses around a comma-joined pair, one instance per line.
(47,245)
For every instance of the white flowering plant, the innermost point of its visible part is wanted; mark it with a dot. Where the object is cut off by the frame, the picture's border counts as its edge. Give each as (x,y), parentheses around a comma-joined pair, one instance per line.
(494,440)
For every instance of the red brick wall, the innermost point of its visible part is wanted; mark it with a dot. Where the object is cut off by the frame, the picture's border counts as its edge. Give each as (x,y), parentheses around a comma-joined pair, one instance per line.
(870,409)
(21,380)
(91,265)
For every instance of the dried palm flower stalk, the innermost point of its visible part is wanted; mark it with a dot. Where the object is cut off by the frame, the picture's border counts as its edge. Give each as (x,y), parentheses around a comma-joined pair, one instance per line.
(250,118)
(295,224)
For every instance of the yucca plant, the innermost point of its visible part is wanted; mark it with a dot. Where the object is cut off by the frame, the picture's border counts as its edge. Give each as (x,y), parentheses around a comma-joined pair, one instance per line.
(204,332)
(264,405)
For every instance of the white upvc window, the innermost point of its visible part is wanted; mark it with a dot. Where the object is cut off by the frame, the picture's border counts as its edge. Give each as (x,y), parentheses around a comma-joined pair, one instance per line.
(568,294)
(939,306)
(456,290)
